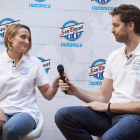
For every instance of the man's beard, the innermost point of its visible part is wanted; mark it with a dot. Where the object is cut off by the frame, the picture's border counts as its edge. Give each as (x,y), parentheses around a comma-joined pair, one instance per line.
(123,38)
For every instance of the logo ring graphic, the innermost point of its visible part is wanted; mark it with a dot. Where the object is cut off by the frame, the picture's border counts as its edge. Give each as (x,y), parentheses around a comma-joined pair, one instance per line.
(6,19)
(72,21)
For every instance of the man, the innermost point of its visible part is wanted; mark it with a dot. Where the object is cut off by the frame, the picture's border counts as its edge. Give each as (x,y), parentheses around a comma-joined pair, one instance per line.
(114,112)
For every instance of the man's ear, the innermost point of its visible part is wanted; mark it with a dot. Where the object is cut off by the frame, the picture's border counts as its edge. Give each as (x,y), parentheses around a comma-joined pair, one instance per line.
(131,25)
(10,39)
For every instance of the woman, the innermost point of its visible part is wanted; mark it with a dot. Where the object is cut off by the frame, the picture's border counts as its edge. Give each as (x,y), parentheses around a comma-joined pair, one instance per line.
(19,74)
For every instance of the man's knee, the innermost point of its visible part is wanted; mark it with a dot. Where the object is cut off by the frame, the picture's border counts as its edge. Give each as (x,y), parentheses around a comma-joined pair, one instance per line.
(110,137)
(61,114)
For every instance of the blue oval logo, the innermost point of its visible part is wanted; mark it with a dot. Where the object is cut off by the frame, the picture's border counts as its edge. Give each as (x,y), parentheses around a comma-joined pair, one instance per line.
(74,36)
(40,0)
(3,21)
(102,1)
(97,69)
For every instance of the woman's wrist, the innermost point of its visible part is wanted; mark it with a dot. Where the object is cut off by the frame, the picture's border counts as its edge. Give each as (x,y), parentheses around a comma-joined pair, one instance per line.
(54,87)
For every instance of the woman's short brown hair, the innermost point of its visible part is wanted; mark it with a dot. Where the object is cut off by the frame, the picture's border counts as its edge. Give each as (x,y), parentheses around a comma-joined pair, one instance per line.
(12,31)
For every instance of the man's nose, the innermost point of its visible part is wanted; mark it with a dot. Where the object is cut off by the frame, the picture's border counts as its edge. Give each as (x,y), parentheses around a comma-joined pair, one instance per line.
(112,30)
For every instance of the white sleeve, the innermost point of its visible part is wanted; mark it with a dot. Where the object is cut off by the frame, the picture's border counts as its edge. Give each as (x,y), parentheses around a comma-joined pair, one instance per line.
(41,77)
(107,72)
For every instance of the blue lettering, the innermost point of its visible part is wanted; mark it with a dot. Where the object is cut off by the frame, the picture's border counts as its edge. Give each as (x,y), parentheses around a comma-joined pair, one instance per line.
(105,8)
(49,6)
(96,83)
(40,5)
(111,8)
(102,8)
(71,44)
(1,42)
(95,8)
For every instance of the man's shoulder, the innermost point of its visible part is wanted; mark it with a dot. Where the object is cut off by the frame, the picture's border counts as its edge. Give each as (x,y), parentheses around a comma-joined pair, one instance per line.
(116,53)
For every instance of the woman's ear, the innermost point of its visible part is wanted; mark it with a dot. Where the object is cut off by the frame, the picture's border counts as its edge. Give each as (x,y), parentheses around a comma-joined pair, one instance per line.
(10,39)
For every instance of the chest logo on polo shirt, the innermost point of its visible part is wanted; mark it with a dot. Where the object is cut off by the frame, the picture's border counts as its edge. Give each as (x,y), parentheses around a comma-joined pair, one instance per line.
(136,67)
(24,72)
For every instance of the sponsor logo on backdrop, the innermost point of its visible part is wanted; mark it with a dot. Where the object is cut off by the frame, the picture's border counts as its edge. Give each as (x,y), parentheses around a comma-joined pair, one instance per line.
(102,1)
(136,68)
(71,31)
(40,4)
(97,71)
(4,24)
(102,8)
(40,0)
(45,63)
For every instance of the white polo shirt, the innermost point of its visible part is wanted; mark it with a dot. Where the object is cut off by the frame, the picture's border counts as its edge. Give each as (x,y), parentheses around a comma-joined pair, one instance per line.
(17,84)
(125,74)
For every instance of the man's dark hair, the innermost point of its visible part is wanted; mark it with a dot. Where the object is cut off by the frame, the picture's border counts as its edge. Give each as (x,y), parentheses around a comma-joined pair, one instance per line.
(128,13)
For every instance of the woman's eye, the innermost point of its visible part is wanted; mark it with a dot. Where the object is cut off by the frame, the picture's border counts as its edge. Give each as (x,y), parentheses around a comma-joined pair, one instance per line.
(23,37)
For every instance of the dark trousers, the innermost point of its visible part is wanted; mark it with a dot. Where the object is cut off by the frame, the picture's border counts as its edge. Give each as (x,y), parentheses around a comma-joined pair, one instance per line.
(79,123)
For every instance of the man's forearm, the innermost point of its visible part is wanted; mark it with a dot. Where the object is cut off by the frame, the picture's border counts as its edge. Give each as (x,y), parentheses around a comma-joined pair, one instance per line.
(87,96)
(133,108)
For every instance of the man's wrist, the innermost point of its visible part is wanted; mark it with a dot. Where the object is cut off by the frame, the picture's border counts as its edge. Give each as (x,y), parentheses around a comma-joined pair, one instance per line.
(109,107)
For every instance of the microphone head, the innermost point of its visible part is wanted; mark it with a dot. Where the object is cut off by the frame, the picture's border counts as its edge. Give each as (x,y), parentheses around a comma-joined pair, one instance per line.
(60,68)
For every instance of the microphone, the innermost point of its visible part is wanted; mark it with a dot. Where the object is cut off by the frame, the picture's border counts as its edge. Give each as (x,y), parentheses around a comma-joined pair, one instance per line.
(60,69)
(13,65)
(129,56)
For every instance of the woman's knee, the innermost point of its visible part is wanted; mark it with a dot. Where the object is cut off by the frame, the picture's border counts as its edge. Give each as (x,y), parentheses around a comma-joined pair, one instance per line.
(9,130)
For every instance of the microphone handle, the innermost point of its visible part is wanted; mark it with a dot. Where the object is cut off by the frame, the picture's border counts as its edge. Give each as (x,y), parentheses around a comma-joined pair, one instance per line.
(63,78)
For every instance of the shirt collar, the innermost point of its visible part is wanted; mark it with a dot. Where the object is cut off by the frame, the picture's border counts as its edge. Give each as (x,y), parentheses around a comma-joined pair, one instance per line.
(123,50)
(6,58)
(134,52)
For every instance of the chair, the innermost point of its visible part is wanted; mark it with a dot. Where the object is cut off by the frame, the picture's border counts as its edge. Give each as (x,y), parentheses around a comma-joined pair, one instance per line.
(36,133)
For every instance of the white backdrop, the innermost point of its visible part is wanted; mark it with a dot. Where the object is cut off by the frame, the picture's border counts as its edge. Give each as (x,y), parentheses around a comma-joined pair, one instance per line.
(46,18)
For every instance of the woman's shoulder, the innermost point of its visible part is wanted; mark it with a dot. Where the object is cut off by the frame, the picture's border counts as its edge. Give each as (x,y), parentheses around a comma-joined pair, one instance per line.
(33,59)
